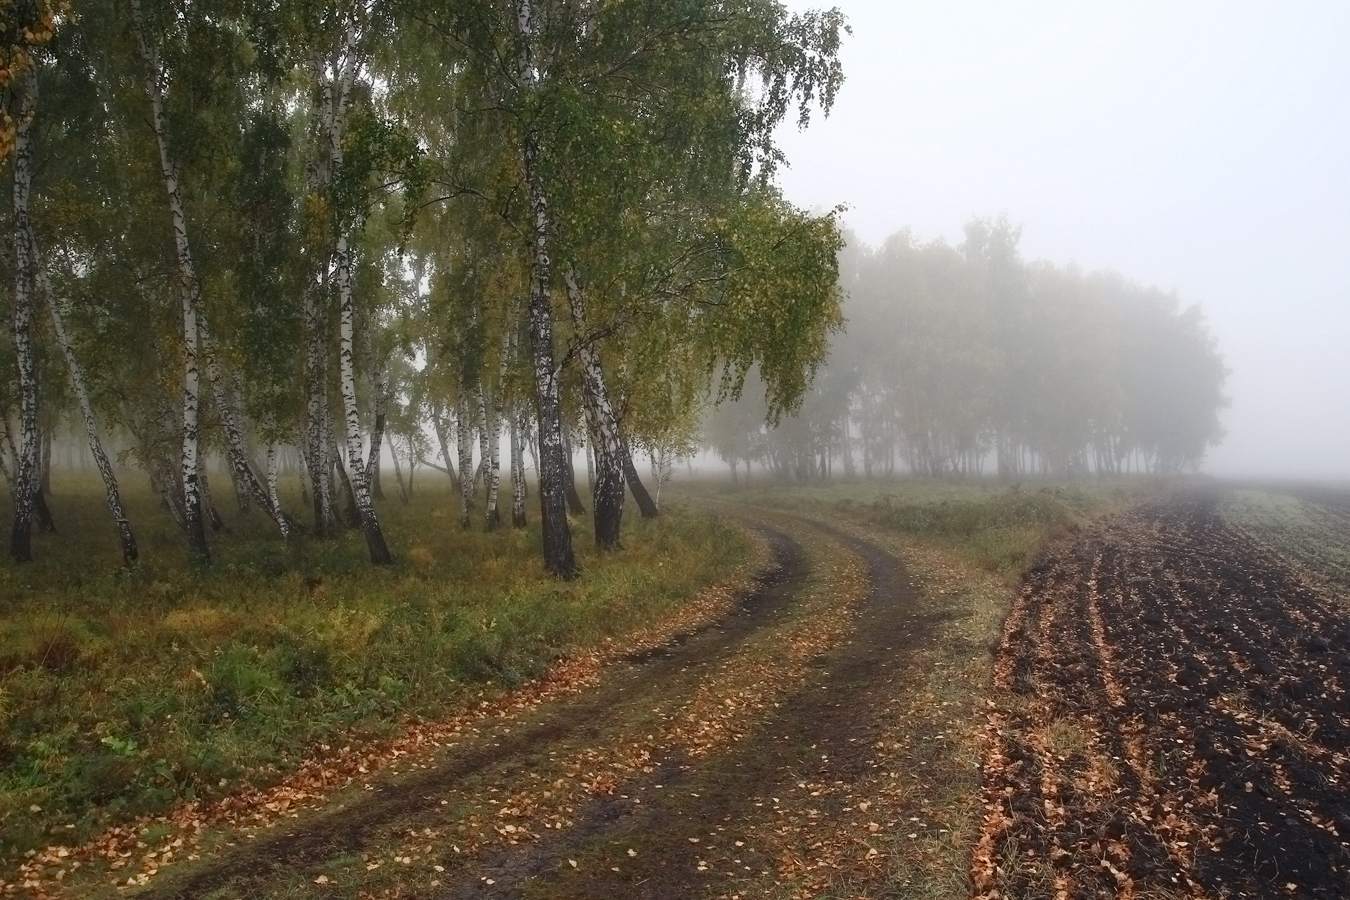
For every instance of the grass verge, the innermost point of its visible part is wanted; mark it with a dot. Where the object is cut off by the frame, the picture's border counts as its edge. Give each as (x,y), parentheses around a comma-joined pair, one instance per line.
(124,692)
(1312,532)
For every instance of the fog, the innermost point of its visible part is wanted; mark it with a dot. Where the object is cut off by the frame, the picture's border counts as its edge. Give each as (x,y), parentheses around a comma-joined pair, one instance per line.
(1199,147)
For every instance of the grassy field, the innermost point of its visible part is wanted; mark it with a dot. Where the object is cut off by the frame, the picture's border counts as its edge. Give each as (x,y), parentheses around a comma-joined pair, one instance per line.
(126,692)
(123,692)
(995,527)
(1307,526)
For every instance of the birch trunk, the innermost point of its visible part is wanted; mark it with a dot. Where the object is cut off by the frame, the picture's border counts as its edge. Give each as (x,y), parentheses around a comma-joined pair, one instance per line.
(517,474)
(25,477)
(359,483)
(316,406)
(189,290)
(272,474)
(480,474)
(105,469)
(558,556)
(377,432)
(398,472)
(329,110)
(247,486)
(644,500)
(439,424)
(574,504)
(412,463)
(7,452)
(465,445)
(302,466)
(607,489)
(493,518)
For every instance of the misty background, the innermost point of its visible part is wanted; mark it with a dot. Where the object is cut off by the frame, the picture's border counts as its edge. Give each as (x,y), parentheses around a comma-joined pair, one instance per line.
(1201,147)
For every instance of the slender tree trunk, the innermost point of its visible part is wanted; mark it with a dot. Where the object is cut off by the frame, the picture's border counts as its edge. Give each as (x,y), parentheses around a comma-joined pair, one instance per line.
(644,500)
(377,431)
(403,495)
(209,512)
(105,469)
(590,464)
(493,515)
(316,411)
(350,514)
(272,474)
(45,467)
(188,290)
(359,484)
(517,474)
(438,422)
(412,462)
(24,481)
(7,452)
(607,488)
(302,467)
(575,506)
(465,443)
(558,556)
(248,486)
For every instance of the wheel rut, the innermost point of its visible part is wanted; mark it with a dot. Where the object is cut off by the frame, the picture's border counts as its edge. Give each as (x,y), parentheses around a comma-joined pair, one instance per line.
(812,731)
(683,819)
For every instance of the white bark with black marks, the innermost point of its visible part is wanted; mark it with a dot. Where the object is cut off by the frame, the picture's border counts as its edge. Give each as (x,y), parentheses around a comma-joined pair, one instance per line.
(359,482)
(464,442)
(247,485)
(24,479)
(558,555)
(189,292)
(603,424)
(125,536)
(493,516)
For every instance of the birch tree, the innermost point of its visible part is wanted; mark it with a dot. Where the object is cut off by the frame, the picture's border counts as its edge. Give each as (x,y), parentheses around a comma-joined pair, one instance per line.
(189,290)
(24,478)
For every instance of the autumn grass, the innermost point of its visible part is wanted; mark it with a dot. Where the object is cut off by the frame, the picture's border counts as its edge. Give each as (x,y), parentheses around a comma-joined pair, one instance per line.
(996,527)
(1308,531)
(123,692)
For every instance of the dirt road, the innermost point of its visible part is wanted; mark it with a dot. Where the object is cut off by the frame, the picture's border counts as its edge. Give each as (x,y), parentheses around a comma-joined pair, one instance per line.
(1170,718)
(719,764)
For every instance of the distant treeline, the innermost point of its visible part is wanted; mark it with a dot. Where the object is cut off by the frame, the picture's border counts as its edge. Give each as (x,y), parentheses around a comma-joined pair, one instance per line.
(962,361)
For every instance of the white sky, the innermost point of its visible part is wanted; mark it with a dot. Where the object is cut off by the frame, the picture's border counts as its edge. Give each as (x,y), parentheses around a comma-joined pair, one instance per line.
(1196,146)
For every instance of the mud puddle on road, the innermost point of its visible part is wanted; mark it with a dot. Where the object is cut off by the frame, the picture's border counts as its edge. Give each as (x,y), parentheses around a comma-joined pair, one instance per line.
(514,804)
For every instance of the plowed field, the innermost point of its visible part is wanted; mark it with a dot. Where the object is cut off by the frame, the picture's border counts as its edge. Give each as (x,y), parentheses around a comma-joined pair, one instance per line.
(1168,718)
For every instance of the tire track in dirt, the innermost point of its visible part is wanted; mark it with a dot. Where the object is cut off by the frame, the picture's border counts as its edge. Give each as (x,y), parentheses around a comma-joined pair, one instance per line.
(685,818)
(1208,709)
(674,804)
(401,805)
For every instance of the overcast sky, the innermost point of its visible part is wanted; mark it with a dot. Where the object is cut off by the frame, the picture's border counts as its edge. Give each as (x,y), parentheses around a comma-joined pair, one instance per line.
(1196,146)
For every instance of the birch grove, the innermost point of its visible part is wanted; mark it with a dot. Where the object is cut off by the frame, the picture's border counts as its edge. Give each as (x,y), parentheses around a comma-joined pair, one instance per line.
(499,230)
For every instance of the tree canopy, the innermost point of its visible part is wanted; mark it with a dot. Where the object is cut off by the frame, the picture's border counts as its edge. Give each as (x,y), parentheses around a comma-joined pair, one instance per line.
(309,231)
(961,361)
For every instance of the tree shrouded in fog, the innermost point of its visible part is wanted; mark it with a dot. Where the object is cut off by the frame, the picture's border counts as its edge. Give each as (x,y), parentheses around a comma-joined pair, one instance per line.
(282,229)
(962,361)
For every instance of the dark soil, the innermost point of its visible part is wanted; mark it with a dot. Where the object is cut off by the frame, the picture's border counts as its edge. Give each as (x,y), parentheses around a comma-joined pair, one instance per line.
(669,816)
(1171,716)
